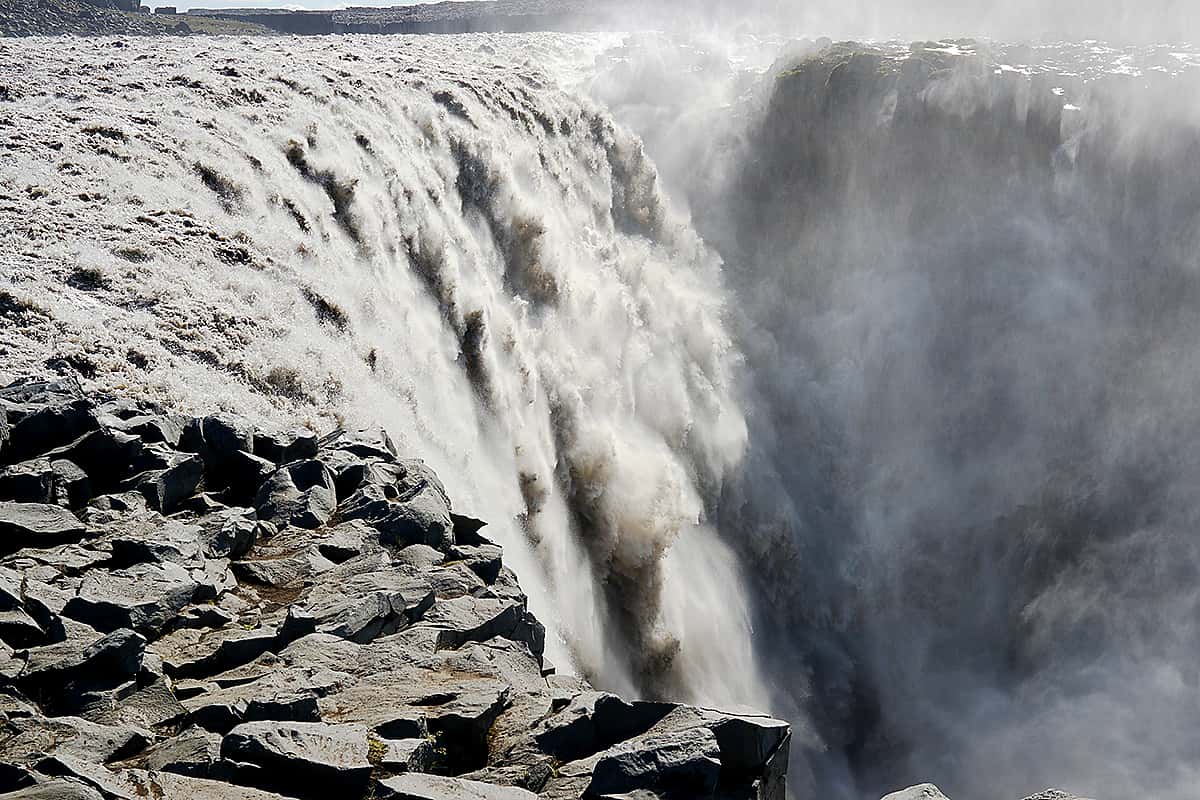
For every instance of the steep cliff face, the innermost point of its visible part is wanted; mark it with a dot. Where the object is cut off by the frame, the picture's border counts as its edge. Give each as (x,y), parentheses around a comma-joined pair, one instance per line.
(969,278)
(202,607)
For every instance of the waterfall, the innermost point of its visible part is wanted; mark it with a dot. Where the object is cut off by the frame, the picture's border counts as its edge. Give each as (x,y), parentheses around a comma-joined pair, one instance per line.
(427,232)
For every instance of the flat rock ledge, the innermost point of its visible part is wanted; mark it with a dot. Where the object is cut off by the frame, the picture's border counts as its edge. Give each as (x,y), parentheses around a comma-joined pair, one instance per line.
(201,607)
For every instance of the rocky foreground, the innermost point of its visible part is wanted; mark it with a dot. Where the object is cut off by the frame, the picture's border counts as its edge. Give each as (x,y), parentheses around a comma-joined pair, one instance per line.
(197,608)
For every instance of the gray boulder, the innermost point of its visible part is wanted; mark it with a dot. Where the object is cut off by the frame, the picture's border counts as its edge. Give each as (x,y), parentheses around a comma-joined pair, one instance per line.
(245,473)
(55,789)
(287,695)
(362,608)
(193,752)
(435,787)
(144,598)
(924,791)
(36,525)
(29,739)
(40,416)
(404,755)
(41,480)
(300,494)
(307,759)
(404,501)
(232,533)
(191,653)
(683,763)
(166,488)
(150,428)
(284,447)
(57,672)
(107,456)
(364,443)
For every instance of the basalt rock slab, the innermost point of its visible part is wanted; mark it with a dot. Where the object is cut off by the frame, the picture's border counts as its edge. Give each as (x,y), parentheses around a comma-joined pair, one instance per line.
(434,787)
(42,415)
(55,789)
(405,501)
(42,480)
(361,608)
(37,525)
(28,739)
(300,494)
(284,447)
(166,488)
(144,598)
(305,759)
(193,752)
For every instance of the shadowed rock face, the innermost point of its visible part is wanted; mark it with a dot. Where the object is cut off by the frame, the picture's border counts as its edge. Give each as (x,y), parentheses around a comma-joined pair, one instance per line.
(294,652)
(968,282)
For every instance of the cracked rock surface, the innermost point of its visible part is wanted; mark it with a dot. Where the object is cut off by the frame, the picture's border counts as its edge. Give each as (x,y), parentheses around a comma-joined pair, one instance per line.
(203,608)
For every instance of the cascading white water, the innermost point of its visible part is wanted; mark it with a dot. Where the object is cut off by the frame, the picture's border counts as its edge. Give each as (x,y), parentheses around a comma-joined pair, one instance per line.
(966,280)
(422,231)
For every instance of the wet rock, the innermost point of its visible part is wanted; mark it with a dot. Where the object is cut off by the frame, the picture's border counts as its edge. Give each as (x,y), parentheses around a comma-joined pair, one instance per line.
(300,494)
(308,759)
(434,787)
(36,525)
